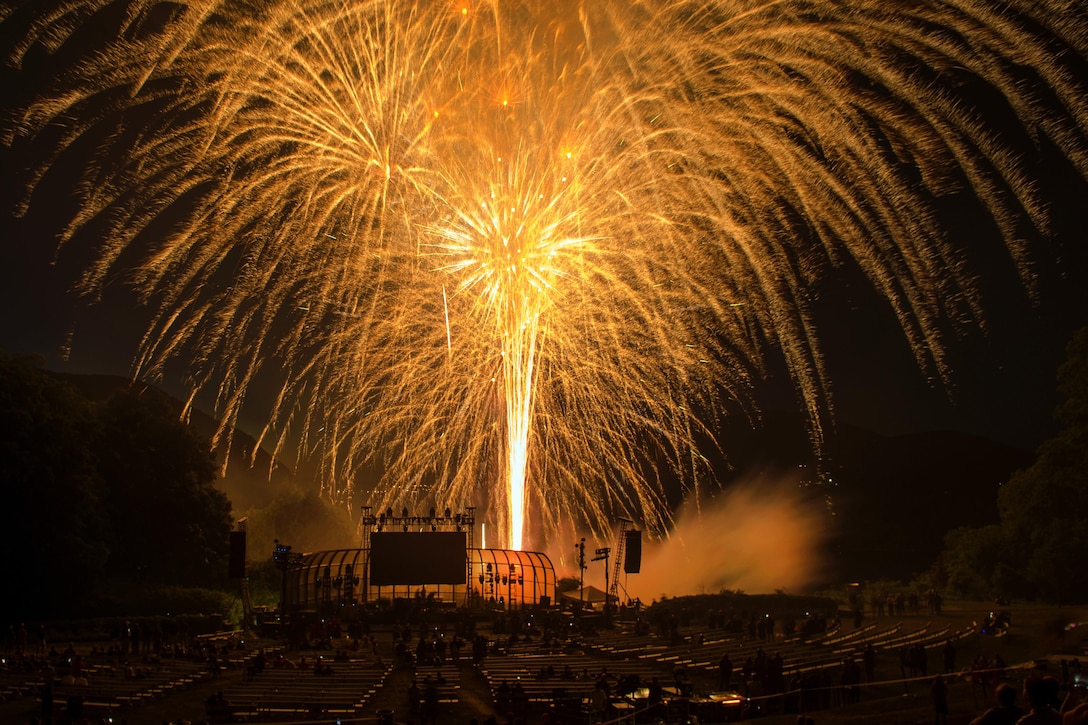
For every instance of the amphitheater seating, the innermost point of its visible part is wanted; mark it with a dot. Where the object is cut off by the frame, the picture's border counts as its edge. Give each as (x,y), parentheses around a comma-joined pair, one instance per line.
(292,693)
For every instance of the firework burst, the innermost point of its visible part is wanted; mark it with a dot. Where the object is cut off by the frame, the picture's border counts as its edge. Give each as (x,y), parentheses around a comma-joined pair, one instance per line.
(521,255)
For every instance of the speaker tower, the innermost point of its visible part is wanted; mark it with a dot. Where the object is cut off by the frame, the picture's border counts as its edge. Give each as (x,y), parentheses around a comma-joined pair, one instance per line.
(237,568)
(632,551)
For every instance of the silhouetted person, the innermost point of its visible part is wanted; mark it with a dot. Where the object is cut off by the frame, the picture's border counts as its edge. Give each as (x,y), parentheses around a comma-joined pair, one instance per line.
(502,696)
(1005,712)
(656,693)
(414,697)
(47,693)
(75,708)
(868,658)
(939,692)
(725,671)
(1039,696)
(430,702)
(599,703)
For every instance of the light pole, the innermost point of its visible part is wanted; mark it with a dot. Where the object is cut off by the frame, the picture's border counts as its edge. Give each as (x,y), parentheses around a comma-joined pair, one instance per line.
(581,547)
(598,555)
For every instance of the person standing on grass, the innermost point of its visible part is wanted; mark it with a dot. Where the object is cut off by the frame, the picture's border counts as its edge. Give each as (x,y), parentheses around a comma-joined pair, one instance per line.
(939,691)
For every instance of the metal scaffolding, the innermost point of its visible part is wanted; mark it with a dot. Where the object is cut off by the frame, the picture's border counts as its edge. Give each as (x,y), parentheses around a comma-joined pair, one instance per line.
(336,582)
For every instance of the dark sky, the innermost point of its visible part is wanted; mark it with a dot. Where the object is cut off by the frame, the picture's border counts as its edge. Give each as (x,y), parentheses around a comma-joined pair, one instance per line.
(1002,383)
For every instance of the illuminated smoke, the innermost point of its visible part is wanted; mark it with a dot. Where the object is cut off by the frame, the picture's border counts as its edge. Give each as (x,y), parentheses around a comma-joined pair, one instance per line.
(760,536)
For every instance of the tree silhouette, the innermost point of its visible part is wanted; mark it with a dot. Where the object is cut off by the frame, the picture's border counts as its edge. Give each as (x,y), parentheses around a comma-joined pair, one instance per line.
(100,492)
(54,525)
(170,523)
(1038,548)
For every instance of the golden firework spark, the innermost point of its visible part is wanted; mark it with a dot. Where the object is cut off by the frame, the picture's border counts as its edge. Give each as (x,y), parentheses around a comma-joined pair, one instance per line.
(518,255)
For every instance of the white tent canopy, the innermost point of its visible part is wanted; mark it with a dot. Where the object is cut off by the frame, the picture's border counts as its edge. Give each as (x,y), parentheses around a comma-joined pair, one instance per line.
(590,595)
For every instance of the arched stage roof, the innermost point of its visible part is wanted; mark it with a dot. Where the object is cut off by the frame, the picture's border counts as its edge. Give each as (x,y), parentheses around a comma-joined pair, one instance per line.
(338,579)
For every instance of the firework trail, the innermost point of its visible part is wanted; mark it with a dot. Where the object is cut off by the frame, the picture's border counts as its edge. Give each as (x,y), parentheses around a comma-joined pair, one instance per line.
(521,255)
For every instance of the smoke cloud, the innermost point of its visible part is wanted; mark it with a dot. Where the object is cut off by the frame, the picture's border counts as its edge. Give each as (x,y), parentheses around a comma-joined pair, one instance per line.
(757,537)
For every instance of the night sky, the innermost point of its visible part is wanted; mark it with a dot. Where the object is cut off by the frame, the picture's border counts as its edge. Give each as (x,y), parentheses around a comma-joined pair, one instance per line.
(1003,377)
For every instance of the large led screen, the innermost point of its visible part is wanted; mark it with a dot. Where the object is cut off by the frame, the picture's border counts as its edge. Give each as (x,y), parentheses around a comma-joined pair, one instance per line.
(418,558)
